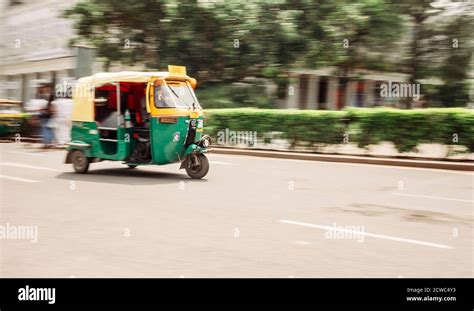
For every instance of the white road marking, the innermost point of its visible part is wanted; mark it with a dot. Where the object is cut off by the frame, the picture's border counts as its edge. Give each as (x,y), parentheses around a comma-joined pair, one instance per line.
(431,197)
(17,179)
(379,236)
(302,242)
(30,166)
(386,166)
(28,153)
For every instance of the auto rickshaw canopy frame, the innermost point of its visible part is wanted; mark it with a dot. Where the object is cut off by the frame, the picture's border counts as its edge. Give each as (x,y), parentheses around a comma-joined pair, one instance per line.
(83,96)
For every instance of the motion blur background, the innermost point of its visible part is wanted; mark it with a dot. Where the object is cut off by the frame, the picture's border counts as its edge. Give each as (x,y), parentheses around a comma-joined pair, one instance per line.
(293,75)
(305,54)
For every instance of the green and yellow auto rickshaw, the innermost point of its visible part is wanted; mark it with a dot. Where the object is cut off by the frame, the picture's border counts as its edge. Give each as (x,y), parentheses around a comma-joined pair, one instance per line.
(12,118)
(140,118)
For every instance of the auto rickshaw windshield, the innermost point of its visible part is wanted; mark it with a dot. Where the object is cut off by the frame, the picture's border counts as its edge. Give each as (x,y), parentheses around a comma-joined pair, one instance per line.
(175,94)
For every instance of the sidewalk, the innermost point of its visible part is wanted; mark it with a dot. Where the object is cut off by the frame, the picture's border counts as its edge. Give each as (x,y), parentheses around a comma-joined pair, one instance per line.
(446,164)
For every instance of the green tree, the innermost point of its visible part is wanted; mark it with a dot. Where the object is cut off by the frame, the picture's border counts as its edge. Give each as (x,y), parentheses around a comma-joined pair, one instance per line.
(222,41)
(125,31)
(348,34)
(440,46)
(455,55)
(227,41)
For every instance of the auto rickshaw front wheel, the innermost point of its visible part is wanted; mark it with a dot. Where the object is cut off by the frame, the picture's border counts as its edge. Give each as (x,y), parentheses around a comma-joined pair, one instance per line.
(80,162)
(198,166)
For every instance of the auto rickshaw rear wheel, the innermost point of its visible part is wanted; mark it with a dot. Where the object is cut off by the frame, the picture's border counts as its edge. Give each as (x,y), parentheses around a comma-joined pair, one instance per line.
(80,161)
(131,166)
(198,166)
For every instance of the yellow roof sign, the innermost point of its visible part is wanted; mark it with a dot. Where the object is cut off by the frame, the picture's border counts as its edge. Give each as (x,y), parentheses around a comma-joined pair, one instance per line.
(177,70)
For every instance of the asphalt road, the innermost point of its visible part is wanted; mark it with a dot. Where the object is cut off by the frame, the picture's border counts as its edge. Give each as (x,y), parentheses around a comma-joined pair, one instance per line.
(250,217)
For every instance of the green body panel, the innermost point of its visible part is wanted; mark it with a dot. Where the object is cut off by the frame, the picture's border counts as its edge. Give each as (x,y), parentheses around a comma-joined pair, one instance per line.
(168,140)
(14,124)
(194,148)
(87,132)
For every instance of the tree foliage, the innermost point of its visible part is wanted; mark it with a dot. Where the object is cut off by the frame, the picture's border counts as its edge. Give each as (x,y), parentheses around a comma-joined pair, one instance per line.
(227,41)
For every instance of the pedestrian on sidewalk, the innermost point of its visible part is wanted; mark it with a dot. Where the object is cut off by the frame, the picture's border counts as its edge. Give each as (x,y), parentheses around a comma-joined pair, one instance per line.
(46,115)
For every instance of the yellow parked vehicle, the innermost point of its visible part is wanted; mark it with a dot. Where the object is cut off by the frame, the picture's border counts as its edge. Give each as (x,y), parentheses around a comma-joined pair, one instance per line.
(12,118)
(139,118)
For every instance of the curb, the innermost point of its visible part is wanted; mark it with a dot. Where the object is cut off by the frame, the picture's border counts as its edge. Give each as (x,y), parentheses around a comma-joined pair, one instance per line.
(444,165)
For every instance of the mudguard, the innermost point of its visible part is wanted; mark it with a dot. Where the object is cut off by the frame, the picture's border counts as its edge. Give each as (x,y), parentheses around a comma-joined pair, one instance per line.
(193,148)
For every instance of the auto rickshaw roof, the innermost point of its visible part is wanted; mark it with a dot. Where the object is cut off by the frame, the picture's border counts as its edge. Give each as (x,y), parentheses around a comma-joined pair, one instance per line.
(125,76)
(9,101)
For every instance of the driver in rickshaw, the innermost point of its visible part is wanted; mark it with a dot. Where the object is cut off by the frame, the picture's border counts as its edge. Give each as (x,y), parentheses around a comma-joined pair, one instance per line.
(142,152)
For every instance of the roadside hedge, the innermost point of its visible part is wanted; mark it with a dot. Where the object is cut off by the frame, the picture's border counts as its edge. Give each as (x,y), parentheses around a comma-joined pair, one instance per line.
(406,129)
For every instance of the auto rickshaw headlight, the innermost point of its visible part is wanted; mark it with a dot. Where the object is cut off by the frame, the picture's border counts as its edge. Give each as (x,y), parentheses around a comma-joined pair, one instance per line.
(205,141)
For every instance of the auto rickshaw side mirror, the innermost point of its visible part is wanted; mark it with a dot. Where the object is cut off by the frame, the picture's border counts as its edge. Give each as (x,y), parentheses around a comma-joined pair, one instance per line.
(193,83)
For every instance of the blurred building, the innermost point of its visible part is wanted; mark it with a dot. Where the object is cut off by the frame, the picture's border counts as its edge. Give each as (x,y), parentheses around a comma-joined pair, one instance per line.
(35,47)
(324,89)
